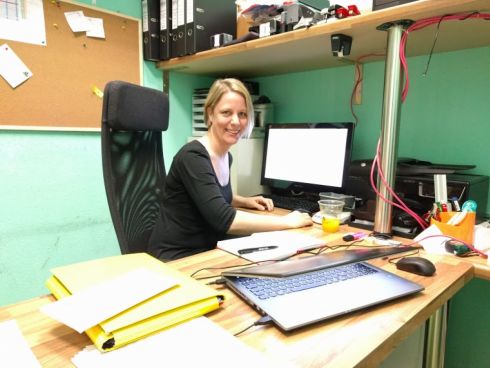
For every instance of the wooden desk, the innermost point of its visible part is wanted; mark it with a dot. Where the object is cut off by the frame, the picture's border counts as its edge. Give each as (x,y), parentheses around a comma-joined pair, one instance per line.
(359,339)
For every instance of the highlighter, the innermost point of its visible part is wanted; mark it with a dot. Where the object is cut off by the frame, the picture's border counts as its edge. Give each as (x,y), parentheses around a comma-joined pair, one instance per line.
(355,236)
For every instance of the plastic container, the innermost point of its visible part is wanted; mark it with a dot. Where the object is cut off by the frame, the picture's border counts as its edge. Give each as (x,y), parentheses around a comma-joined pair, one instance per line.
(331,207)
(347,199)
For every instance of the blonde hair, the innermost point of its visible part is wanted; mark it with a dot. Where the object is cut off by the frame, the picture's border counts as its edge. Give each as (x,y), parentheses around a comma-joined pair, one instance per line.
(222,86)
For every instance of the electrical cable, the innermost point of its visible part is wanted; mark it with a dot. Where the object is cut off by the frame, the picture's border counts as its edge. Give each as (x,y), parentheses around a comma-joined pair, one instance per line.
(357,82)
(422,23)
(265,320)
(402,205)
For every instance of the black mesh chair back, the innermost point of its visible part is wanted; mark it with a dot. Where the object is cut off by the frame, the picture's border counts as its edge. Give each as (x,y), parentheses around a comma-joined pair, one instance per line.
(133,118)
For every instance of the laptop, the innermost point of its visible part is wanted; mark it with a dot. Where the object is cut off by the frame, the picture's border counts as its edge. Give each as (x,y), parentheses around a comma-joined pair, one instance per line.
(312,296)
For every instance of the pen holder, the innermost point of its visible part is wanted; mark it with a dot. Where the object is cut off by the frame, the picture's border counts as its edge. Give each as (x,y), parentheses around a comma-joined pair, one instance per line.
(463,231)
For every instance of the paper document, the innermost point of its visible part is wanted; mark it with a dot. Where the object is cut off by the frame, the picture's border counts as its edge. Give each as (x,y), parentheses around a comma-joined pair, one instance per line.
(283,244)
(12,68)
(14,350)
(196,343)
(88,307)
(77,21)
(96,27)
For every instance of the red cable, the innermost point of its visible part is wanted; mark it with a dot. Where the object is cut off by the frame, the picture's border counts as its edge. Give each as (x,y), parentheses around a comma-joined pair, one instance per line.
(402,204)
(425,23)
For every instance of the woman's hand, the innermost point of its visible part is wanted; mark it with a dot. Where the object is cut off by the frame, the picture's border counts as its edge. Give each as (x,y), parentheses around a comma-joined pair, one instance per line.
(258,203)
(297,219)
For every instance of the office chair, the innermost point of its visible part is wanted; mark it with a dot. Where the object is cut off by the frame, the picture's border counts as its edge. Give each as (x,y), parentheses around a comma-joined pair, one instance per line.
(133,119)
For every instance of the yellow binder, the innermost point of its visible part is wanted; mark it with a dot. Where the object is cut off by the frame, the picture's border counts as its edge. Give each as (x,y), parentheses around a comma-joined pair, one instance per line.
(188,299)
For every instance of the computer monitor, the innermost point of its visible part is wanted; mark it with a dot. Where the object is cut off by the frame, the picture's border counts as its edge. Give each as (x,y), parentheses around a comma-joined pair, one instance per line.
(306,157)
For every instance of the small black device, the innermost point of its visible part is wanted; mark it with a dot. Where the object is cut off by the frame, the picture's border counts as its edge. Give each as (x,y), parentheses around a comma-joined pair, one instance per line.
(382,4)
(341,44)
(418,265)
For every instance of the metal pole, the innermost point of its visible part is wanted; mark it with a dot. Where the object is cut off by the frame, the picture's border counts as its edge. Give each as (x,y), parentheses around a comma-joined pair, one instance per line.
(389,125)
(435,343)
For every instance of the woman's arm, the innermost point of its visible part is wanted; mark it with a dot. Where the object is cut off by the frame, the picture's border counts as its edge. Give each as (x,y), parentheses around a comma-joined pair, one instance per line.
(255,203)
(247,223)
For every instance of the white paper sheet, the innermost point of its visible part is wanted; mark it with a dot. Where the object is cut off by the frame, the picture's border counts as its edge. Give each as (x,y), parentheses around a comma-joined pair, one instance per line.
(12,69)
(287,242)
(77,21)
(196,343)
(91,306)
(14,350)
(432,240)
(96,27)
(24,24)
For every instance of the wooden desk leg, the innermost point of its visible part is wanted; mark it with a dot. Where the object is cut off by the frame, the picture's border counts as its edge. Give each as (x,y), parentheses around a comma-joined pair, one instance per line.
(435,343)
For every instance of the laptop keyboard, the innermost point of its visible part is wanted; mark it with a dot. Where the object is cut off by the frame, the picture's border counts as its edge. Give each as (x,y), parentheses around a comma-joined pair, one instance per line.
(265,288)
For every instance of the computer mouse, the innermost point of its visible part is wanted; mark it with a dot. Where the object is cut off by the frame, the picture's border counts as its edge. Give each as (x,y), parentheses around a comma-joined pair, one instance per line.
(418,265)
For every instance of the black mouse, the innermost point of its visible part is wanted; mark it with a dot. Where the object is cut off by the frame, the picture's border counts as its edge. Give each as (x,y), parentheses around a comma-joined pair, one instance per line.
(418,265)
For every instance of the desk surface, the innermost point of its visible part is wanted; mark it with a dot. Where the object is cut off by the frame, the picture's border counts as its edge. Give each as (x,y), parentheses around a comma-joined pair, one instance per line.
(362,338)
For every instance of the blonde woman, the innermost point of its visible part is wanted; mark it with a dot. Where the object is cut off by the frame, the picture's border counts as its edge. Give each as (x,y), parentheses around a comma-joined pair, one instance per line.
(199,207)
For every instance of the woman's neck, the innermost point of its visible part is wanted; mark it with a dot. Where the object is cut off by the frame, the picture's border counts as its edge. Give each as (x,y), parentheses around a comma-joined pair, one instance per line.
(214,150)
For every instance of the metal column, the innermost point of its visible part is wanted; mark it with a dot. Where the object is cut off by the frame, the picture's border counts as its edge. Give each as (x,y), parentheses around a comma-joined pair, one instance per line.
(389,125)
(435,342)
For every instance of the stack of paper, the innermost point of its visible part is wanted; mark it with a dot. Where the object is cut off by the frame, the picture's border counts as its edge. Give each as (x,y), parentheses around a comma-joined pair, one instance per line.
(121,299)
(14,350)
(195,343)
(282,244)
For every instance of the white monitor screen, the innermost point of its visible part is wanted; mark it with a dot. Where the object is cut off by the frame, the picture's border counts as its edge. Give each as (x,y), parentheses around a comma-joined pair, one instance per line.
(306,156)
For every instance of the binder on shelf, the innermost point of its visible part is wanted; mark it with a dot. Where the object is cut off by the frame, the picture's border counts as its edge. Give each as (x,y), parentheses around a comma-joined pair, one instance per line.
(150,10)
(178,28)
(205,19)
(188,299)
(165,28)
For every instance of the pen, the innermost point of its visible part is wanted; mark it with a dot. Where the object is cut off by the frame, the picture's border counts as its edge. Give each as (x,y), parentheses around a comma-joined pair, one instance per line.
(258,249)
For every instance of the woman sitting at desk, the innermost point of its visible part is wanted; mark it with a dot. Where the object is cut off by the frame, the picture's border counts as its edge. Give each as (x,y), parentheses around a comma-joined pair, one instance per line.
(199,207)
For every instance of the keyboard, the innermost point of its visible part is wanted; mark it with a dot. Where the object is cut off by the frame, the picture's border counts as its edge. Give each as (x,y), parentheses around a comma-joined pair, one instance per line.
(293,203)
(265,288)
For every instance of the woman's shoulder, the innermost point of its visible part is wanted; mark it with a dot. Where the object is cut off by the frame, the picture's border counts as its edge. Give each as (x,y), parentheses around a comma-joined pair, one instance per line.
(193,146)
(192,149)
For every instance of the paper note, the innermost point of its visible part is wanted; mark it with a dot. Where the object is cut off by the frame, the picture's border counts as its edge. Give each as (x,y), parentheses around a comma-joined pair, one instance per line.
(12,69)
(23,21)
(196,343)
(287,243)
(93,305)
(432,240)
(77,21)
(96,27)
(14,350)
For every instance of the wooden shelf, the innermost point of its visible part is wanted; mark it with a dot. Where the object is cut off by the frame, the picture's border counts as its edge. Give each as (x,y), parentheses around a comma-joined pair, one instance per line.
(308,49)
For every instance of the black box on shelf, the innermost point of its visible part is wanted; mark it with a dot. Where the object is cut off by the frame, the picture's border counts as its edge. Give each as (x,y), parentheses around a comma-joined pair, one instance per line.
(206,18)
(150,10)
(382,4)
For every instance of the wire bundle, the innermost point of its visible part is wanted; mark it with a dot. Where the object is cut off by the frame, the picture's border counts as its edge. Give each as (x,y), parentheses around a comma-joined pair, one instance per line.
(399,202)
(425,23)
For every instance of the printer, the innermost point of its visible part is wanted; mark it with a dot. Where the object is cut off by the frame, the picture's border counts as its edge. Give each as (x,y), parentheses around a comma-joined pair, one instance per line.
(414,184)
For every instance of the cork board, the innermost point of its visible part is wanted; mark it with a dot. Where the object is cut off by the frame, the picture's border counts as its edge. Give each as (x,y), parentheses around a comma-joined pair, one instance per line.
(60,94)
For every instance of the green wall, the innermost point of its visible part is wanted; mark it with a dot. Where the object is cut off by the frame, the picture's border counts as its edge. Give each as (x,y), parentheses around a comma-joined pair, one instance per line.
(445,118)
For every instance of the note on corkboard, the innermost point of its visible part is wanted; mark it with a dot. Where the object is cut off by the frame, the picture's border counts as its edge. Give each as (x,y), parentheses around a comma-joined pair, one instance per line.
(60,94)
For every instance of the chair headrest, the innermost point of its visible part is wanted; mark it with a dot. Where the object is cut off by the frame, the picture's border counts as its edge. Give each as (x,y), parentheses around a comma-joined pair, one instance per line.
(129,106)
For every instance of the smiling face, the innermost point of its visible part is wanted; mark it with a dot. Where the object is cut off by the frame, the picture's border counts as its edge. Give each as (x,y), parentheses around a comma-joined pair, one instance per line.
(228,120)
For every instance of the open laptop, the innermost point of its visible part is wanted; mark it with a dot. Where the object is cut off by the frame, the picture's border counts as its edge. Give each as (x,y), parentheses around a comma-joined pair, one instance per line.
(324,293)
